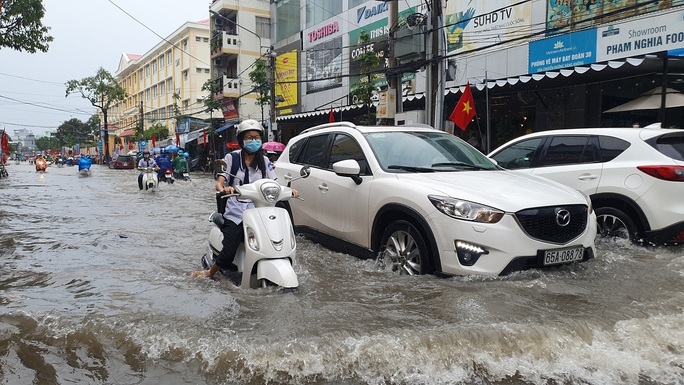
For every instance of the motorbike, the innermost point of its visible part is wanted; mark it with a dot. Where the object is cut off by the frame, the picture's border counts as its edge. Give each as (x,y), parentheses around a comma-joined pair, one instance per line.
(150,179)
(181,174)
(84,164)
(41,164)
(267,253)
(168,176)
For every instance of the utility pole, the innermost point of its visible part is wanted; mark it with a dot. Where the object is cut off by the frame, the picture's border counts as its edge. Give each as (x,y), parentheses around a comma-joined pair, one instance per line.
(273,127)
(434,100)
(394,81)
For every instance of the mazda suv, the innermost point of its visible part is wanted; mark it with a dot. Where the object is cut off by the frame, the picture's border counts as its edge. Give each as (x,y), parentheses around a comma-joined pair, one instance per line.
(634,176)
(425,202)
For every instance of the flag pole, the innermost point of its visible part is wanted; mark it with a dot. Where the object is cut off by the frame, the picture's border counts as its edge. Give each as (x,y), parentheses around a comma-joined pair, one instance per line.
(489,126)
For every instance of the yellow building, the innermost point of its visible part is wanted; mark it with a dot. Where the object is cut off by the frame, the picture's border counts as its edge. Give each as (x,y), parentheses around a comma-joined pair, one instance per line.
(163,83)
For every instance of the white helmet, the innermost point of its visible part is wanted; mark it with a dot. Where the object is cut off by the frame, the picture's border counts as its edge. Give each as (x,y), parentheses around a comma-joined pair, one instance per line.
(248,125)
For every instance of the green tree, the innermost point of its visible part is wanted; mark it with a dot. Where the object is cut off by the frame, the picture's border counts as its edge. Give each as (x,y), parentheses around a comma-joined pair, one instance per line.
(45,143)
(103,91)
(211,104)
(259,77)
(362,90)
(73,131)
(21,26)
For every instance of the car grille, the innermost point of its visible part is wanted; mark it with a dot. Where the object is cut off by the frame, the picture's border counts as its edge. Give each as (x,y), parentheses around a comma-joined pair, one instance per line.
(546,223)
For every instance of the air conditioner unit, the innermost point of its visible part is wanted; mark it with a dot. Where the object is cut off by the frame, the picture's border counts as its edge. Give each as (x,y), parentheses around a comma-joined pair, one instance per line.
(218,62)
(218,21)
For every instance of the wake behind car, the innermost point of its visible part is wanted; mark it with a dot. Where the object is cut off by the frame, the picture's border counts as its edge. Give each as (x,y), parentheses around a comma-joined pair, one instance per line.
(424,202)
(632,175)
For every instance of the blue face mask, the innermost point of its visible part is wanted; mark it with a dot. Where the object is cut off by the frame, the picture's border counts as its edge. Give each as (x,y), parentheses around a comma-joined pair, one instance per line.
(252,146)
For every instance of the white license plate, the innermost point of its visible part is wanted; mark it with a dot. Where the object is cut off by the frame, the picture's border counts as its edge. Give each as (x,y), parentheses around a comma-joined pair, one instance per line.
(554,257)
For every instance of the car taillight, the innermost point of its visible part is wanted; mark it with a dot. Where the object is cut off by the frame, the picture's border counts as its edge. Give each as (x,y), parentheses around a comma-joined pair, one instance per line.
(671,173)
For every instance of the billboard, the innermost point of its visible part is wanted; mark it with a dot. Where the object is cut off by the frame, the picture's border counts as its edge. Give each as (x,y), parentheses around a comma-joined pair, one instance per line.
(286,87)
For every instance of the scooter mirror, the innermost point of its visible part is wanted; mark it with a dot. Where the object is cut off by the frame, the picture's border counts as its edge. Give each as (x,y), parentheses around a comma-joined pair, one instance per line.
(305,172)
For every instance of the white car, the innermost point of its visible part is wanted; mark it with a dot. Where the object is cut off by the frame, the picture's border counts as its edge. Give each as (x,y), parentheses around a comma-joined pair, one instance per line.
(424,201)
(632,175)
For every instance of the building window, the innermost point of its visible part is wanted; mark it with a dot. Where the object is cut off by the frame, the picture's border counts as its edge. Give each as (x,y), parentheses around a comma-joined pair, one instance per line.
(185,75)
(321,10)
(205,39)
(147,71)
(154,66)
(154,91)
(263,27)
(147,94)
(354,3)
(169,85)
(184,44)
(177,62)
(162,113)
(288,19)
(207,70)
(161,62)
(197,38)
(199,70)
(186,103)
(162,88)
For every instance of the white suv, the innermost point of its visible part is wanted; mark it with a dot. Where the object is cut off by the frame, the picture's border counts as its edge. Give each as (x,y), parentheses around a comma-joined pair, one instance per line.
(427,202)
(633,175)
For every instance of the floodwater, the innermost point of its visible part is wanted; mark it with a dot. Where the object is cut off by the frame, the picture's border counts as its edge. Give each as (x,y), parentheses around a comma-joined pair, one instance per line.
(95,288)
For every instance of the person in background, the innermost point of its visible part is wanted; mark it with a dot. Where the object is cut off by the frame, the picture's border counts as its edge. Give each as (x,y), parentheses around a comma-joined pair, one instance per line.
(179,164)
(164,163)
(143,164)
(253,165)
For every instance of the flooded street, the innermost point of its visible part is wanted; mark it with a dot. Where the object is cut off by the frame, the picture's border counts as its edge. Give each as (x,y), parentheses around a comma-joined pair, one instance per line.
(95,288)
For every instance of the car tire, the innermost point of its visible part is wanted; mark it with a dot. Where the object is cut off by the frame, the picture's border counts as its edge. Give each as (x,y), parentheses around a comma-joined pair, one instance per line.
(404,250)
(614,223)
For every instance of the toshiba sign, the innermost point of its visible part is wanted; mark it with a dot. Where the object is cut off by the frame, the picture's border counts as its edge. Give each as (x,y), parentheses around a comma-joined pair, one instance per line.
(324,31)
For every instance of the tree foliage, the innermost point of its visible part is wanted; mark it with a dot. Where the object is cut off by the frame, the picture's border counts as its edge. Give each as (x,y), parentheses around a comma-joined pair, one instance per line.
(74,131)
(362,90)
(102,91)
(259,77)
(45,143)
(21,26)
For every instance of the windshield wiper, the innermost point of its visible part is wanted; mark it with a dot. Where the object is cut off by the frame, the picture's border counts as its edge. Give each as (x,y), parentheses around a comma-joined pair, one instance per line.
(410,168)
(459,164)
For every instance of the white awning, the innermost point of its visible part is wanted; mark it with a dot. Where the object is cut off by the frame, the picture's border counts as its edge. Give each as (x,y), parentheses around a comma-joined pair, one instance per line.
(565,72)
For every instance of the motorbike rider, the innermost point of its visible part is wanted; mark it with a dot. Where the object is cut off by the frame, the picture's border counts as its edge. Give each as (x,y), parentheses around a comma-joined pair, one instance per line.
(143,164)
(164,163)
(179,164)
(253,166)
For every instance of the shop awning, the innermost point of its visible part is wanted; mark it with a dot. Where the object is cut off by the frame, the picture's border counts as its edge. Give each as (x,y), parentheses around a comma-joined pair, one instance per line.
(127,132)
(226,125)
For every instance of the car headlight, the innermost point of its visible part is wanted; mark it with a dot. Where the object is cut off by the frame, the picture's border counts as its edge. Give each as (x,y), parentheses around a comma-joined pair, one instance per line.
(270,191)
(466,210)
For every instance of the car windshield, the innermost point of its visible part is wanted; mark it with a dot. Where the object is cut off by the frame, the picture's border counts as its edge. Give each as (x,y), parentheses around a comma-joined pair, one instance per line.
(425,152)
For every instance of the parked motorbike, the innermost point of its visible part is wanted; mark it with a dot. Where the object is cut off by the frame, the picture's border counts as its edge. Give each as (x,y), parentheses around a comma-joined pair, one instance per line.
(267,253)
(150,179)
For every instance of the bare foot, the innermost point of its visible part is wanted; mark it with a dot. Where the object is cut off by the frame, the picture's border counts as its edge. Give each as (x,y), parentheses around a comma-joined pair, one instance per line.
(201,273)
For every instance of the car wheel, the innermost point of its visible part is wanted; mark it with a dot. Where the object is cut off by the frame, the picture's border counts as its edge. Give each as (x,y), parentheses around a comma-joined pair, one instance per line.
(614,223)
(403,249)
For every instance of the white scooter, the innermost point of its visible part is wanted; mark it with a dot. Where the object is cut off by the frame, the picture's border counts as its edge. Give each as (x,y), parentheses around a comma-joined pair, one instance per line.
(266,255)
(150,179)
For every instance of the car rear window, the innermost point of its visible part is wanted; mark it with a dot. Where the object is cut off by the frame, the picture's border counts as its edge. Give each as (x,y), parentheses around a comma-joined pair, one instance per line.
(124,158)
(611,147)
(671,145)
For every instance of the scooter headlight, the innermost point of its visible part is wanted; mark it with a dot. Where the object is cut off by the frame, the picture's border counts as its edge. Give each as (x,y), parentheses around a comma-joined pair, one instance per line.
(251,239)
(270,191)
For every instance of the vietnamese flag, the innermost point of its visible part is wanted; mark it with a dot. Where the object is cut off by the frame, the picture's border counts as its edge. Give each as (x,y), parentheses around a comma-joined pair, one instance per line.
(331,116)
(464,111)
(204,137)
(5,143)
(154,141)
(177,139)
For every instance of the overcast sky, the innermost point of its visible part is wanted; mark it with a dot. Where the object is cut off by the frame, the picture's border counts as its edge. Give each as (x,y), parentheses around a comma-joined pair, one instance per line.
(88,34)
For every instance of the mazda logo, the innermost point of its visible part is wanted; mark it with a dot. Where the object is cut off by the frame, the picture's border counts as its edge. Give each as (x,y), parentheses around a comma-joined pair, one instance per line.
(562,217)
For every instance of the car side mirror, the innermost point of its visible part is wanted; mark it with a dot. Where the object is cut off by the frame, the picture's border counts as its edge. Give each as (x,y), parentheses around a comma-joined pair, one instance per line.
(348,168)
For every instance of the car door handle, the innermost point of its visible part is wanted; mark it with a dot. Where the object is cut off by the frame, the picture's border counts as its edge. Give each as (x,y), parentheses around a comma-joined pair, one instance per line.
(587,177)
(323,187)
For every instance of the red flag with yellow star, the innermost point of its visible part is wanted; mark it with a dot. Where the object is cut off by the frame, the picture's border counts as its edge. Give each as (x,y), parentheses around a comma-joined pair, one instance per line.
(464,111)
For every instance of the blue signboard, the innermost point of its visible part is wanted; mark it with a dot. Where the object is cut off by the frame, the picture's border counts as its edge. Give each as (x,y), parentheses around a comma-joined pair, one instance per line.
(99,145)
(563,51)
(143,144)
